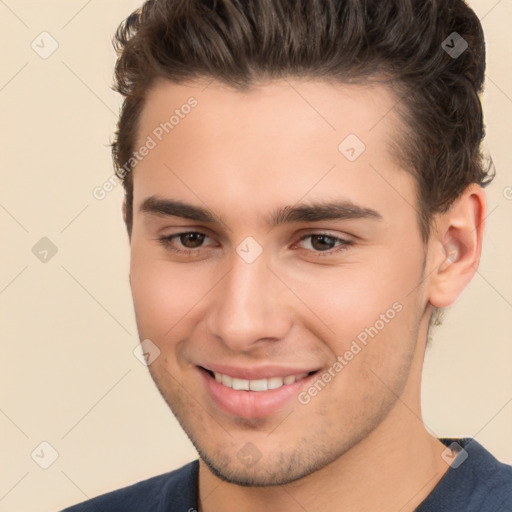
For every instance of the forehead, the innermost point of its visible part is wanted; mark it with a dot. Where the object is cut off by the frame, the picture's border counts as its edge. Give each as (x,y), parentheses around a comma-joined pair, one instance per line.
(275,142)
(290,107)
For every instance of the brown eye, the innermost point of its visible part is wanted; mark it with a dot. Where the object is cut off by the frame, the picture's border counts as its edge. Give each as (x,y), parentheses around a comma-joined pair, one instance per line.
(322,242)
(186,243)
(192,240)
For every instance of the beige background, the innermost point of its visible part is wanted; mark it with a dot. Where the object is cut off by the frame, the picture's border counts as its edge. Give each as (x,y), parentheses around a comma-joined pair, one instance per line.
(68,373)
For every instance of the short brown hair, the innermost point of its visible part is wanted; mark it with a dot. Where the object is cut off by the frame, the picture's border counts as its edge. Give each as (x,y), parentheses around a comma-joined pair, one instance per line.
(242,42)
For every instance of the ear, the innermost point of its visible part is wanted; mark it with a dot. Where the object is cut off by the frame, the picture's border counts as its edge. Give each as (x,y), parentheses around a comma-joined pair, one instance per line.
(455,246)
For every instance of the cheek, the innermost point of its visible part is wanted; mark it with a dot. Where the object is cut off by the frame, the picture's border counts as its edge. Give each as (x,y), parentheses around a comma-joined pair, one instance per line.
(365,312)
(164,295)
(351,298)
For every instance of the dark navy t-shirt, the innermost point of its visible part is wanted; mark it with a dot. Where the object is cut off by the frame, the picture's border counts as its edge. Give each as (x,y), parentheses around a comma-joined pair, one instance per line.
(475,482)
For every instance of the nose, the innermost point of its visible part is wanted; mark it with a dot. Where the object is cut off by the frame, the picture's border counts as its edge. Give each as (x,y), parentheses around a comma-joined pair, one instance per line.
(249,306)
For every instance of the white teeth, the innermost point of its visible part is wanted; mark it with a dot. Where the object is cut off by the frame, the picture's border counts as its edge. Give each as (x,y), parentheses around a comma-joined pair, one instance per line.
(289,380)
(226,380)
(275,382)
(257,384)
(240,384)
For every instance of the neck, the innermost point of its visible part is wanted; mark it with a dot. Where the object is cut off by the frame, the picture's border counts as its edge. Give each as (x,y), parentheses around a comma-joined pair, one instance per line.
(394,468)
(391,469)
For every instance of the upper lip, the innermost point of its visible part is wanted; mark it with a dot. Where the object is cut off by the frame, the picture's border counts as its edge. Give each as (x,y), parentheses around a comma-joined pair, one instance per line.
(255,373)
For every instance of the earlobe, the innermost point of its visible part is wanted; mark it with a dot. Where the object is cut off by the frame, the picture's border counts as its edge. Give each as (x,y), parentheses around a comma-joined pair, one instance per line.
(456,247)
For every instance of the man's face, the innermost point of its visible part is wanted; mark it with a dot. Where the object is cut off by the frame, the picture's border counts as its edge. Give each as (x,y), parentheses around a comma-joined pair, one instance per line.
(262,290)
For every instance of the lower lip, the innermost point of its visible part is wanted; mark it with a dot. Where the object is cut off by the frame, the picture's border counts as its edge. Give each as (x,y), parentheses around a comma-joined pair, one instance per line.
(252,404)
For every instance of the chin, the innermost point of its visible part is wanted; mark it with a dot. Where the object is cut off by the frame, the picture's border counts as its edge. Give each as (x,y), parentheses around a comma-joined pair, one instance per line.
(260,474)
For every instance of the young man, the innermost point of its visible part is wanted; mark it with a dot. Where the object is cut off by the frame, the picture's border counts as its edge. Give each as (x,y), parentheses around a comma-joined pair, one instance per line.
(303,192)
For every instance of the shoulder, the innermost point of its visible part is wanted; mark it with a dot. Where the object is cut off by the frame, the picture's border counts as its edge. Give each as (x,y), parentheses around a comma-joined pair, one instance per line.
(492,489)
(476,481)
(177,488)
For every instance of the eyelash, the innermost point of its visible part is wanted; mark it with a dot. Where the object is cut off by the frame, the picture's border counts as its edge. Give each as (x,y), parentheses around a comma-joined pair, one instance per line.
(343,244)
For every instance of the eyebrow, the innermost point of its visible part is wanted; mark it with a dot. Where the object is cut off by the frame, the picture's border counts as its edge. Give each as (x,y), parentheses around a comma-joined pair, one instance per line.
(308,212)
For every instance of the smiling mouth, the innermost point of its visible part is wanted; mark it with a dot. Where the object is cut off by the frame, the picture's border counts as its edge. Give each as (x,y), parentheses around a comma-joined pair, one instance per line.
(258,385)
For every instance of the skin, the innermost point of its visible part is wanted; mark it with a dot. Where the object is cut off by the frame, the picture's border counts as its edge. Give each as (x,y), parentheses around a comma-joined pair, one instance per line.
(360,444)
